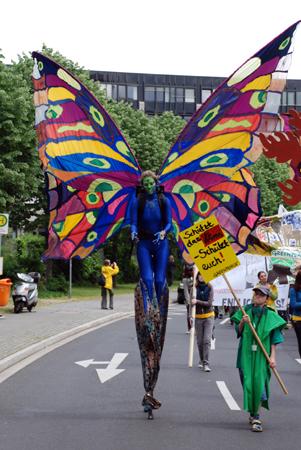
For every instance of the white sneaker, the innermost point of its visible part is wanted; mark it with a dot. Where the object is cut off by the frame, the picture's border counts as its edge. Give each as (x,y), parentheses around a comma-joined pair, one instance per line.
(207,368)
(200,365)
(188,332)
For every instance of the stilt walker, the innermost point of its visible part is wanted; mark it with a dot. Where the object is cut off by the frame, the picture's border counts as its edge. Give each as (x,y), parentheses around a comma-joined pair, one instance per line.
(151,221)
(92,177)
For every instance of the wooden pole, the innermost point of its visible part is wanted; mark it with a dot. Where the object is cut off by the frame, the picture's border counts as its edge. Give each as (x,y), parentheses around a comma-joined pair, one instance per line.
(256,336)
(70,279)
(192,329)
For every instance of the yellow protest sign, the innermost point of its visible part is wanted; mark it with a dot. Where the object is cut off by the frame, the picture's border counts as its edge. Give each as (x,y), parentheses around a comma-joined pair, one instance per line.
(209,248)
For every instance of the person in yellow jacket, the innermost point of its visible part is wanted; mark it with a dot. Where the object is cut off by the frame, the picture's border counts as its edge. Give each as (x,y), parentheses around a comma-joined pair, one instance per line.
(108,270)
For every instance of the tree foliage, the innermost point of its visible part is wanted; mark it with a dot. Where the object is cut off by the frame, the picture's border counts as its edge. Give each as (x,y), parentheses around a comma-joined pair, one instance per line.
(266,174)
(20,176)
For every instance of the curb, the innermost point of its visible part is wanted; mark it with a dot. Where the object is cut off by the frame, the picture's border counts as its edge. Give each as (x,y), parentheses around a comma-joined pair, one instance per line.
(15,358)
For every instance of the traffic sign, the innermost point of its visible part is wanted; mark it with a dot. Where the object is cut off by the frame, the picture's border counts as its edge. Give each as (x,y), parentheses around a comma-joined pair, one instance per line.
(3,223)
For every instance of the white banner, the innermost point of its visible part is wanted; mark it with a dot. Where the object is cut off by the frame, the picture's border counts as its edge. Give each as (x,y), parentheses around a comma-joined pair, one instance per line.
(223,297)
(242,280)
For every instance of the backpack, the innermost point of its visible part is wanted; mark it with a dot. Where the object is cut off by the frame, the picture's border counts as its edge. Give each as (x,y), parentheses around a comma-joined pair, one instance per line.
(102,280)
(203,291)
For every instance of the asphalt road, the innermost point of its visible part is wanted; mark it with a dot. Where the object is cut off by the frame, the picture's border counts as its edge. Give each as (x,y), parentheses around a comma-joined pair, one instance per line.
(55,403)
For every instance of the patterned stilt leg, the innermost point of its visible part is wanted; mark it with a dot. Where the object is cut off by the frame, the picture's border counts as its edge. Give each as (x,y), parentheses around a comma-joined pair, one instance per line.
(150,319)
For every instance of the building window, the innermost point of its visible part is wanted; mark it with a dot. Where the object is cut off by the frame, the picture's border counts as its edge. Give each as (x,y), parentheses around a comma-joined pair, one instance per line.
(172,95)
(284,98)
(149,94)
(298,98)
(167,96)
(132,92)
(160,94)
(121,92)
(189,96)
(205,93)
(108,89)
(291,98)
(179,95)
(114,91)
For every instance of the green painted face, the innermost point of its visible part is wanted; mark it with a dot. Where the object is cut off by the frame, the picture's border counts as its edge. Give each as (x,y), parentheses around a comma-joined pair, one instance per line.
(149,184)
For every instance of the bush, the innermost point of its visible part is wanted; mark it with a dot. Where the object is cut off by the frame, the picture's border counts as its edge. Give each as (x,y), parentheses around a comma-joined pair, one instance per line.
(23,254)
(57,284)
(90,267)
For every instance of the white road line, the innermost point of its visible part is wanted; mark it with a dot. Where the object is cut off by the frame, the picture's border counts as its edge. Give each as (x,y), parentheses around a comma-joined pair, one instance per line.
(224,321)
(227,396)
(298,361)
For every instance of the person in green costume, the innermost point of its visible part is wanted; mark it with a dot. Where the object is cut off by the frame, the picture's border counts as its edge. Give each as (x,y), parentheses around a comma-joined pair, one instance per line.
(254,369)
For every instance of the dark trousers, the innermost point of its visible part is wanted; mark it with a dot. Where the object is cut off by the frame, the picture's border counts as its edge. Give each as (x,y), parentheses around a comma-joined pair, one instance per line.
(297,328)
(104,297)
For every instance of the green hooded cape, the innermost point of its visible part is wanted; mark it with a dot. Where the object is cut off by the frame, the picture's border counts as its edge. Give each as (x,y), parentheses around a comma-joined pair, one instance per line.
(256,370)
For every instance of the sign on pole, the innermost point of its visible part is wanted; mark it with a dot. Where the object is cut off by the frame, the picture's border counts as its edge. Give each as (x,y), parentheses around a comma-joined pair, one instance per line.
(3,223)
(209,248)
(213,256)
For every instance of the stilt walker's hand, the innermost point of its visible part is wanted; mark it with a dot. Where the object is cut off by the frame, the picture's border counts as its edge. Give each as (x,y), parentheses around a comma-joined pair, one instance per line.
(159,236)
(134,236)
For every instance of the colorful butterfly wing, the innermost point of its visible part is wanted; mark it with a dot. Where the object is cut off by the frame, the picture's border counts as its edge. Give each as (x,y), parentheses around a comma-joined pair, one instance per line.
(235,202)
(222,136)
(91,172)
(204,172)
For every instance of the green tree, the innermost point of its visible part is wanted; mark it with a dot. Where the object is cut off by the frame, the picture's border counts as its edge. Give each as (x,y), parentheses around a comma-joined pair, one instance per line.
(19,169)
(266,174)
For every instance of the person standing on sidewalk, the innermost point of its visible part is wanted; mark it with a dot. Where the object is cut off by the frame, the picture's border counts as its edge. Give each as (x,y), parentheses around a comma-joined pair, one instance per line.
(170,271)
(108,270)
(187,279)
(204,320)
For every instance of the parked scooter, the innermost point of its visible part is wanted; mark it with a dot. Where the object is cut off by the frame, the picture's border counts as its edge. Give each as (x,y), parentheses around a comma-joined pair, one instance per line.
(25,291)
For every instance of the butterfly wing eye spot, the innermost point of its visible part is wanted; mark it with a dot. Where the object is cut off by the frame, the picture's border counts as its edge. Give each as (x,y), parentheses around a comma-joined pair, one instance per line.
(97,116)
(208,117)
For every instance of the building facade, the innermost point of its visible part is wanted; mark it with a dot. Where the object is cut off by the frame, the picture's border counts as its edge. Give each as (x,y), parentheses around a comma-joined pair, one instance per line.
(181,94)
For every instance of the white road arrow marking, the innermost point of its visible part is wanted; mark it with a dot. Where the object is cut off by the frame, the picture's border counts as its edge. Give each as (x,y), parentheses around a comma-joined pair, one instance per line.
(224,321)
(88,362)
(227,396)
(110,371)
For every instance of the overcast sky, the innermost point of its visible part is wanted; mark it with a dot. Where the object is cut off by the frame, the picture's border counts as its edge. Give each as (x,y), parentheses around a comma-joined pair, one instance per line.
(188,37)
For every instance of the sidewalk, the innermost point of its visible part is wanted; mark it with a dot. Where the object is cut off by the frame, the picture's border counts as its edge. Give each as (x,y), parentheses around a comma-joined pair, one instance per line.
(21,331)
